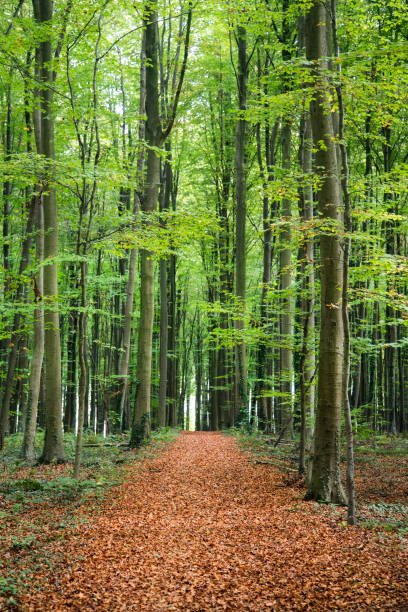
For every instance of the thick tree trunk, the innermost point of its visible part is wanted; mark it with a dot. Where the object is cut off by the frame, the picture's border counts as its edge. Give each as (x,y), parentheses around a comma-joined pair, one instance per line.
(325,483)
(141,416)
(240,386)
(53,441)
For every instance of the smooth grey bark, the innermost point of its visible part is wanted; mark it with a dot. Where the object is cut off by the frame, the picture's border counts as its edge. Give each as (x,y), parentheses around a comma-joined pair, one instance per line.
(53,440)
(141,416)
(307,366)
(5,394)
(325,483)
(37,371)
(222,130)
(87,203)
(286,302)
(155,137)
(168,83)
(308,357)
(198,374)
(127,327)
(240,386)
(164,305)
(83,367)
(28,450)
(164,341)
(390,357)
(266,156)
(172,336)
(351,502)
(212,349)
(72,334)
(96,404)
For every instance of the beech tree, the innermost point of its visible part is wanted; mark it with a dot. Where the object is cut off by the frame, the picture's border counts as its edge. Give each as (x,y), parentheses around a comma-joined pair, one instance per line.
(325,482)
(53,442)
(155,136)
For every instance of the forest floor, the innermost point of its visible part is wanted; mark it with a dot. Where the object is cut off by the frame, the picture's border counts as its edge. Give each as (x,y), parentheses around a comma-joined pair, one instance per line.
(205,526)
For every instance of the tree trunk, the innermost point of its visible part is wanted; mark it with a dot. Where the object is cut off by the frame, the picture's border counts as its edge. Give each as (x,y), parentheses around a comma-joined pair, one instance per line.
(83,366)
(155,137)
(351,510)
(53,440)
(240,386)
(164,307)
(325,484)
(308,358)
(286,317)
(28,451)
(95,353)
(15,337)
(198,375)
(172,335)
(141,416)
(72,332)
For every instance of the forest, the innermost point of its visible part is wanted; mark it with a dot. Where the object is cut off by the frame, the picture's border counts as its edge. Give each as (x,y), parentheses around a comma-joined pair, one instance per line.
(204,311)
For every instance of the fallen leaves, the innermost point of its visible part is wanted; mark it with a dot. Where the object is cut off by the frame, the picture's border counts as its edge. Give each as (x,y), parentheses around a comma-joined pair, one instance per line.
(201,528)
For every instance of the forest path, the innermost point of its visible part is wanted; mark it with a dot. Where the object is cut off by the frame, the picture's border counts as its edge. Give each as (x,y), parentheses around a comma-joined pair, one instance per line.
(202,527)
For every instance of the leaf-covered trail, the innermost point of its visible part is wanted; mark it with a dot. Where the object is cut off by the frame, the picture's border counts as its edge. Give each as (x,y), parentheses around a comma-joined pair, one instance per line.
(203,528)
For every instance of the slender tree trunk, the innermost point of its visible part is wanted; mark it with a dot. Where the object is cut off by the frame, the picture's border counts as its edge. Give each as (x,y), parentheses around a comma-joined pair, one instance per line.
(127,329)
(212,357)
(28,451)
(172,335)
(72,333)
(308,359)
(240,238)
(198,375)
(164,306)
(95,354)
(155,137)
(351,511)
(15,337)
(401,394)
(22,384)
(164,336)
(83,366)
(286,317)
